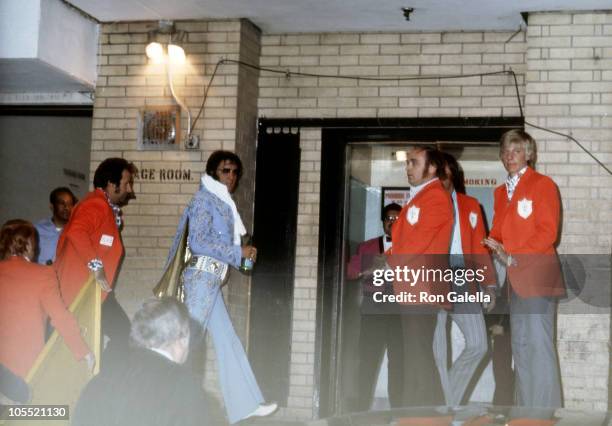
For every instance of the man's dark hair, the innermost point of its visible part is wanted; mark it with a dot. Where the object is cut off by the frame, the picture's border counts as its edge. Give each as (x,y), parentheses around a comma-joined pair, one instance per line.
(457,176)
(217,158)
(61,190)
(388,208)
(110,170)
(433,157)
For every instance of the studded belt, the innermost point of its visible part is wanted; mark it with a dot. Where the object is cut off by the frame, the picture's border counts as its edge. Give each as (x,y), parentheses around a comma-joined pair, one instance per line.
(210,265)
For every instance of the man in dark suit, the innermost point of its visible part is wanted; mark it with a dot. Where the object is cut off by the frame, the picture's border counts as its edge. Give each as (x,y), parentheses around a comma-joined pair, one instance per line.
(152,387)
(381,331)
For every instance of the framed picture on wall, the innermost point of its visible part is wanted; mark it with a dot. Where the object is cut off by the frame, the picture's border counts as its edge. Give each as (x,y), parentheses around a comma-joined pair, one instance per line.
(395,194)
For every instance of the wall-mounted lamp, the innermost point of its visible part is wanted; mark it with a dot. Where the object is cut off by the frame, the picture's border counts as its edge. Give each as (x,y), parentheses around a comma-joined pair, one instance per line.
(164,48)
(165,44)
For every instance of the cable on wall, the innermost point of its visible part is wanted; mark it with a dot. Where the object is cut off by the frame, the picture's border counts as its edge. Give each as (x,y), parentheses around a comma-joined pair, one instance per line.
(289,73)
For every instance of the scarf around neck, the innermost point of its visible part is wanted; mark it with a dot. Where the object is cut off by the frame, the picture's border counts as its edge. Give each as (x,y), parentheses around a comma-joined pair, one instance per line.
(220,190)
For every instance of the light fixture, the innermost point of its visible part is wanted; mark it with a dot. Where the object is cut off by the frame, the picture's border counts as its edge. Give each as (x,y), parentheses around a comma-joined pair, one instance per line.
(164,48)
(155,52)
(164,44)
(176,54)
(400,155)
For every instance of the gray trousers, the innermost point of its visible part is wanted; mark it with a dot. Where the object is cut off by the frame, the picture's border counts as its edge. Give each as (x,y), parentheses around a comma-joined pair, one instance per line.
(470,320)
(532,321)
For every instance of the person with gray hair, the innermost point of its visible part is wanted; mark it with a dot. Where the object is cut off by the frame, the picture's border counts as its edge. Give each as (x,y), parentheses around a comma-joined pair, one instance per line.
(152,387)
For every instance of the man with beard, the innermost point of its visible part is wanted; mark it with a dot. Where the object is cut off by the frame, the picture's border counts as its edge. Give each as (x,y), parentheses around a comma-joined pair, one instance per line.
(91,244)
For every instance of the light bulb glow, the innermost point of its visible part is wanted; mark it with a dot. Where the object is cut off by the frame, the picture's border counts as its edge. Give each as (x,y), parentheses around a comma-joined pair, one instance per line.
(155,52)
(176,54)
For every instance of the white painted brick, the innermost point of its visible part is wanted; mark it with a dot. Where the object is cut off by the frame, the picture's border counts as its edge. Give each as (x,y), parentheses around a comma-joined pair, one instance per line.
(300,39)
(592,64)
(399,91)
(549,19)
(483,48)
(572,30)
(339,38)
(319,50)
(398,70)
(360,92)
(340,60)
(420,59)
(550,42)
(570,76)
(379,38)
(502,58)
(439,112)
(565,98)
(576,52)
(462,37)
(593,18)
(593,87)
(370,49)
(441,91)
(400,49)
(462,101)
(419,102)
(591,41)
(549,64)
(421,38)
(441,70)
(378,60)
(549,87)
(461,59)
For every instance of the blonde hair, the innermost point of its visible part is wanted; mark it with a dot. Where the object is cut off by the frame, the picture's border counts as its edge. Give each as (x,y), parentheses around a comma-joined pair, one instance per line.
(521,137)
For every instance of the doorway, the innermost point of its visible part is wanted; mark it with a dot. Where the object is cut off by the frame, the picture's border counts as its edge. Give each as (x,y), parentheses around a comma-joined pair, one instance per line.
(362,173)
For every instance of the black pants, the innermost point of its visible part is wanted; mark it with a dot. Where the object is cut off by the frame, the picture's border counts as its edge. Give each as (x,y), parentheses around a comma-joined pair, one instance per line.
(421,378)
(115,326)
(377,333)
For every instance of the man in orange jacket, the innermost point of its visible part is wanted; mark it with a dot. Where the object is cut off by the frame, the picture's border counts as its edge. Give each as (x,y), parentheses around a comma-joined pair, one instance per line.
(91,244)
(523,236)
(421,239)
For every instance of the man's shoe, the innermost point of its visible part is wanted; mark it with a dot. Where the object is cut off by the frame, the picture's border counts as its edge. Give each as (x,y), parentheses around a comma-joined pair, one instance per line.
(264,410)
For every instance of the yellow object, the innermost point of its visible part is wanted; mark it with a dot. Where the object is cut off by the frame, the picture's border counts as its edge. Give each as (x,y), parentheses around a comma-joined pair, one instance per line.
(56,378)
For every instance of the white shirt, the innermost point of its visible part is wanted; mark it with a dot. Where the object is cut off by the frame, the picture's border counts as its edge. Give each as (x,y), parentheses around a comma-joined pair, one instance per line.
(456,250)
(414,190)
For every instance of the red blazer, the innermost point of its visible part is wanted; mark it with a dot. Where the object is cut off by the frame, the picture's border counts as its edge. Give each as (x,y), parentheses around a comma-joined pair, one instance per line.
(90,233)
(28,293)
(423,228)
(528,227)
(471,225)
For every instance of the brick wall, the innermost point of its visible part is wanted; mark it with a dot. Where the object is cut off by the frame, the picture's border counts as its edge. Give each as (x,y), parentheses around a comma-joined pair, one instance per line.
(569,89)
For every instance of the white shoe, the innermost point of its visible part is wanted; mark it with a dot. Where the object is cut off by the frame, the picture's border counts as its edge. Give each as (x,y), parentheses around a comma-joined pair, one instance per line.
(263,410)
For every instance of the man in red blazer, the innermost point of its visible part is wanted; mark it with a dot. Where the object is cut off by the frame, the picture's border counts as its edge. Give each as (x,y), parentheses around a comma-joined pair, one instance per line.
(467,253)
(524,234)
(91,244)
(378,331)
(421,239)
